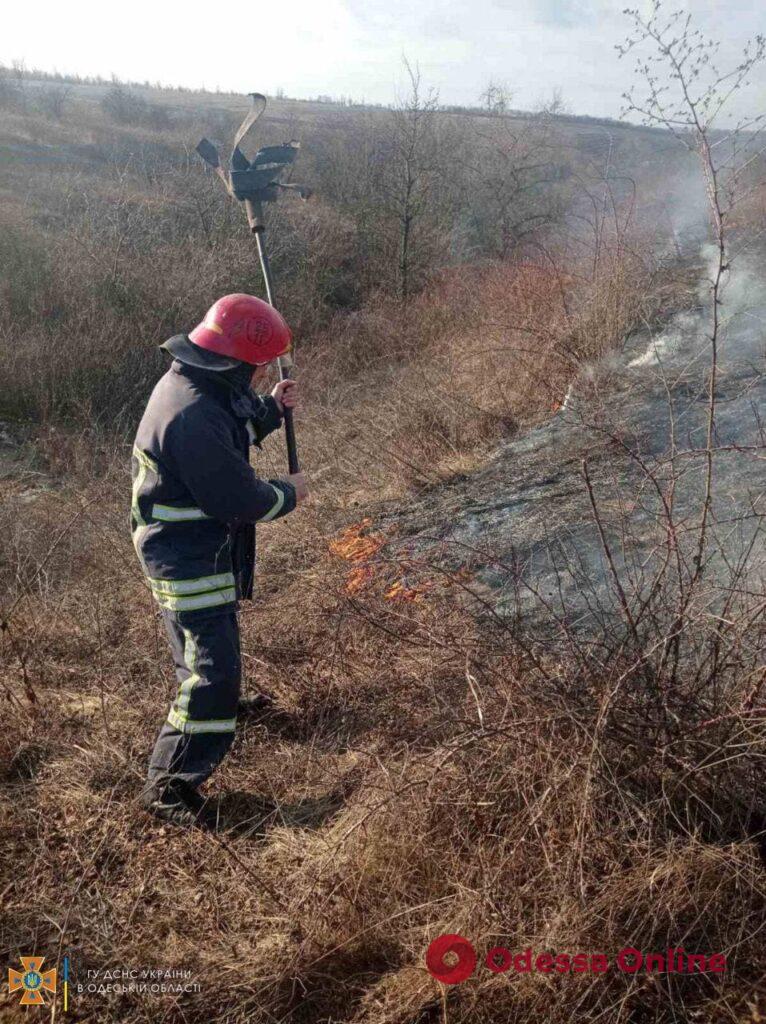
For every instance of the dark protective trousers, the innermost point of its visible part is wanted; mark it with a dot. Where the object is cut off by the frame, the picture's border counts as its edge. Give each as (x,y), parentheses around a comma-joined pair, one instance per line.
(200,726)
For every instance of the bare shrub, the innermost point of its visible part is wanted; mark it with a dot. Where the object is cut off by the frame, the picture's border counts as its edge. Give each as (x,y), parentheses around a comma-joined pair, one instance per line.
(26,274)
(127,107)
(52,100)
(12,94)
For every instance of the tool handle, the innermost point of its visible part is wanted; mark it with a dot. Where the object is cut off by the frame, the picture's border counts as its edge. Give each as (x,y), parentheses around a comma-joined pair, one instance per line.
(255,219)
(292,449)
(254,212)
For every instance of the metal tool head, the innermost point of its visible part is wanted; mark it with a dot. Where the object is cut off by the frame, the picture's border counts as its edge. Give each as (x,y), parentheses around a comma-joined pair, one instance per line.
(209,153)
(257,180)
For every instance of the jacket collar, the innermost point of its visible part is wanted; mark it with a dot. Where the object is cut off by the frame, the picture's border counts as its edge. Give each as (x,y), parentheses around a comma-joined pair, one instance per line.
(231,386)
(182,348)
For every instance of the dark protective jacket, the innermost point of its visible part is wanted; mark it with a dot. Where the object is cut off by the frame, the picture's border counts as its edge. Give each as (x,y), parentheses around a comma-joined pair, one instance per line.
(195,496)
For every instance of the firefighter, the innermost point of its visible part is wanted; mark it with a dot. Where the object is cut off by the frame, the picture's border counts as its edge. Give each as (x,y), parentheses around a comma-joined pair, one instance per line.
(196,501)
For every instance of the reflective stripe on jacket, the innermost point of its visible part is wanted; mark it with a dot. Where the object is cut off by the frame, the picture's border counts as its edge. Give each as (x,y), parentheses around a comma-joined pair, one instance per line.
(195,496)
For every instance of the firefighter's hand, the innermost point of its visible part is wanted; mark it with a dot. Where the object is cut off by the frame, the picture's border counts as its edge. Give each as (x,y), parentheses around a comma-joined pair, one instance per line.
(285,394)
(298,480)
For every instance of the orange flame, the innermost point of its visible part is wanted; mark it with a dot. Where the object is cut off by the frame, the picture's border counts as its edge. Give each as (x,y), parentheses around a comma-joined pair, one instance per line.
(352,546)
(358,579)
(399,591)
(355,545)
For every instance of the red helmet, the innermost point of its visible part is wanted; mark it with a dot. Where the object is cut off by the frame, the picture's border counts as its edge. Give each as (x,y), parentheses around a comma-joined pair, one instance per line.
(245,328)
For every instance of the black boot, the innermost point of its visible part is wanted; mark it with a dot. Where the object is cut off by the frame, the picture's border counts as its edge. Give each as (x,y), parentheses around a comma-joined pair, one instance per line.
(178,803)
(257,707)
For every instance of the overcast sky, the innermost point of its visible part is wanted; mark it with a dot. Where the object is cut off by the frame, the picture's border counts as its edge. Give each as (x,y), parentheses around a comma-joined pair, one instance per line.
(355,47)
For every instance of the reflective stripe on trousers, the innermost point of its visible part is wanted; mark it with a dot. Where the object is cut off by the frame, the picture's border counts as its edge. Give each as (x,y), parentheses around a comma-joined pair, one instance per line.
(191,594)
(200,725)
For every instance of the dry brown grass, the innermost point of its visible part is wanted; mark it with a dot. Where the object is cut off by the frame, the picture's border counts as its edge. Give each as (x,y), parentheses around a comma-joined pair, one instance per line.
(431,774)
(430,778)
(412,396)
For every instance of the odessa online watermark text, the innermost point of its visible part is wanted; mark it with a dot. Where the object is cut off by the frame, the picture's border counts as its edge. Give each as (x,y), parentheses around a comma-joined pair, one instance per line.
(452,959)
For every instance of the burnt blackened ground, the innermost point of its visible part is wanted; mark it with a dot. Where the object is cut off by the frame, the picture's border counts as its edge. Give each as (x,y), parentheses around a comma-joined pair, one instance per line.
(525,525)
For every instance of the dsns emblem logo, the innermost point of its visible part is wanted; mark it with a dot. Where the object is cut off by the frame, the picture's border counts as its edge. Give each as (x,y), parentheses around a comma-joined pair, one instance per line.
(31,981)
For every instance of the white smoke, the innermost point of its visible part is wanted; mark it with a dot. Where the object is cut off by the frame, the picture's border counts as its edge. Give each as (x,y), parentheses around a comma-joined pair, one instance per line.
(742,297)
(662,347)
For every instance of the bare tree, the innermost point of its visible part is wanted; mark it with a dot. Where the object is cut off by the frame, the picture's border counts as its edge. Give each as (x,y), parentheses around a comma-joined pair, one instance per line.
(556,105)
(686,93)
(496,97)
(412,168)
(52,100)
(513,189)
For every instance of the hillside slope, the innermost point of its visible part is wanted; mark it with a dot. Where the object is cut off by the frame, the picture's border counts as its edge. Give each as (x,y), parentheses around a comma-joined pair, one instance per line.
(430,764)
(526,524)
